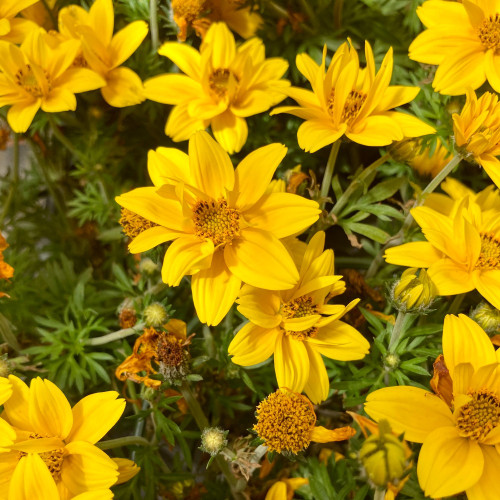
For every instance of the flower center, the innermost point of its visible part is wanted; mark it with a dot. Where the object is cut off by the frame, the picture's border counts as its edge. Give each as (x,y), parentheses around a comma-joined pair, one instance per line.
(352,105)
(189,9)
(53,459)
(285,421)
(221,82)
(134,224)
(479,416)
(489,258)
(26,79)
(215,221)
(298,308)
(489,33)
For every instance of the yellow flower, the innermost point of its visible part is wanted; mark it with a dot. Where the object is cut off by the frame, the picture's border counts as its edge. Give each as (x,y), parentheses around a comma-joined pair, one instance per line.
(458,452)
(477,132)
(463,40)
(38,75)
(298,326)
(351,101)
(222,86)
(414,292)
(127,469)
(39,14)
(286,422)
(285,488)
(462,251)
(103,52)
(14,29)
(427,163)
(53,456)
(200,14)
(225,228)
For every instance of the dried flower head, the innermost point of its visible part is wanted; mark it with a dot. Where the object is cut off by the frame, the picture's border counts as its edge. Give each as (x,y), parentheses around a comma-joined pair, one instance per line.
(213,440)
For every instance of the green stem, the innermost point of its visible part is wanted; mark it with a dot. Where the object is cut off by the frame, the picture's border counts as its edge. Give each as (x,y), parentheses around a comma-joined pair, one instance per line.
(123,441)
(343,200)
(15,180)
(457,302)
(397,331)
(310,13)
(62,138)
(202,421)
(330,166)
(139,426)
(120,334)
(153,23)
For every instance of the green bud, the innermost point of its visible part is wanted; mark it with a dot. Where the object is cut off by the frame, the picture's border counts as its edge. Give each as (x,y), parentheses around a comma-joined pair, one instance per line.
(155,315)
(487,317)
(414,292)
(213,440)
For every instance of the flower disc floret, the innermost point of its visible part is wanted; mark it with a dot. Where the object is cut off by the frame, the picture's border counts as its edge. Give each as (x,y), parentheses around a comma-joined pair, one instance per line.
(133,224)
(477,418)
(216,221)
(489,258)
(285,421)
(489,33)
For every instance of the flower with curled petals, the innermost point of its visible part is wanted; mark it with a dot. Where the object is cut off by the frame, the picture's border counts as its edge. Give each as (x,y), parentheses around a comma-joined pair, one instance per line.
(347,100)
(225,228)
(223,84)
(54,448)
(298,326)
(458,452)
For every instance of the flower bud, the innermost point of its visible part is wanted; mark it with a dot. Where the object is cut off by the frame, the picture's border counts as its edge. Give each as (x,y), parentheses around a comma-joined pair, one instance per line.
(414,293)
(155,315)
(487,317)
(213,440)
(383,456)
(147,266)
(391,360)
(405,150)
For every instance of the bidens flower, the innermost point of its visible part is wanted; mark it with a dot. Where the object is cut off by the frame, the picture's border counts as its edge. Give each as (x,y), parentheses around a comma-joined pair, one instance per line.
(225,228)
(39,75)
(54,448)
(14,29)
(348,100)
(463,40)
(223,85)
(477,132)
(458,452)
(298,326)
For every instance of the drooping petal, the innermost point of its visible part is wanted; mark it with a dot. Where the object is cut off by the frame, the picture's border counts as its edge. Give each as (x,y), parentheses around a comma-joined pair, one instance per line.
(415,254)
(291,363)
(318,383)
(214,291)
(231,131)
(491,165)
(487,284)
(253,344)
(126,42)
(448,463)
(185,57)
(411,410)
(124,88)
(95,415)
(316,134)
(21,115)
(322,435)
(151,238)
(17,406)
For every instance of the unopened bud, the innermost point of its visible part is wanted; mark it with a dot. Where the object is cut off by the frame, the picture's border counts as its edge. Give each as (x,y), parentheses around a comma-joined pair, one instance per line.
(147,266)
(392,360)
(213,440)
(383,456)
(155,315)
(487,317)
(403,151)
(414,292)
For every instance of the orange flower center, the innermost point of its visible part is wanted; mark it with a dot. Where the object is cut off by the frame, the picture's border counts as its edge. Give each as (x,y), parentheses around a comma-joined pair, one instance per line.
(26,79)
(189,9)
(215,221)
(134,224)
(489,258)
(299,308)
(285,421)
(53,459)
(221,82)
(479,416)
(489,33)
(352,106)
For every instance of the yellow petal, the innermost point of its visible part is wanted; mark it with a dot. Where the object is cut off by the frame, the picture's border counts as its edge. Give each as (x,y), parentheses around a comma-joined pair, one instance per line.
(316,134)
(17,406)
(86,467)
(5,390)
(95,495)
(101,19)
(211,167)
(411,126)
(59,100)
(260,306)
(185,57)
(127,469)
(126,42)
(277,491)
(283,214)
(487,485)
(491,165)
(40,445)
(95,415)
(411,410)
(181,126)
(123,88)
(168,164)
(487,284)
(253,344)
(396,95)
(78,80)
(219,41)
(291,363)
(21,115)
(7,436)
(314,249)
(151,238)
(464,341)
(301,324)
(231,131)
(214,291)
(31,480)
(450,278)
(318,383)
(171,88)
(260,259)
(322,435)
(462,376)
(448,463)
(49,410)
(415,254)
(376,130)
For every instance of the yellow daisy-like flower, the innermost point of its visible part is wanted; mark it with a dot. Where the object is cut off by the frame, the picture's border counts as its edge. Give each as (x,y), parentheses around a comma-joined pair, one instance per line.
(14,29)
(225,228)
(462,38)
(298,325)
(286,422)
(458,452)
(347,100)
(285,488)
(477,132)
(222,85)
(200,14)
(462,251)
(104,52)
(429,164)
(53,455)
(39,75)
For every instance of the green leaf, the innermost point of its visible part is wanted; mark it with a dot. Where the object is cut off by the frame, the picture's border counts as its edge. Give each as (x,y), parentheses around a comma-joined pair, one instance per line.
(383,190)
(372,232)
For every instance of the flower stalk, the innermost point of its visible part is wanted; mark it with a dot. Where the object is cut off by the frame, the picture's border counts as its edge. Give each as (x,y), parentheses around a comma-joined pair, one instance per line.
(330,166)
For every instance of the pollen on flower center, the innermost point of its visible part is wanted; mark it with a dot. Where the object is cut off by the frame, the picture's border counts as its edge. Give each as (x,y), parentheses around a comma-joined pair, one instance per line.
(298,308)
(214,220)
(479,416)
(134,224)
(219,82)
(285,421)
(26,79)
(489,33)
(489,258)
(53,459)
(190,9)
(352,106)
